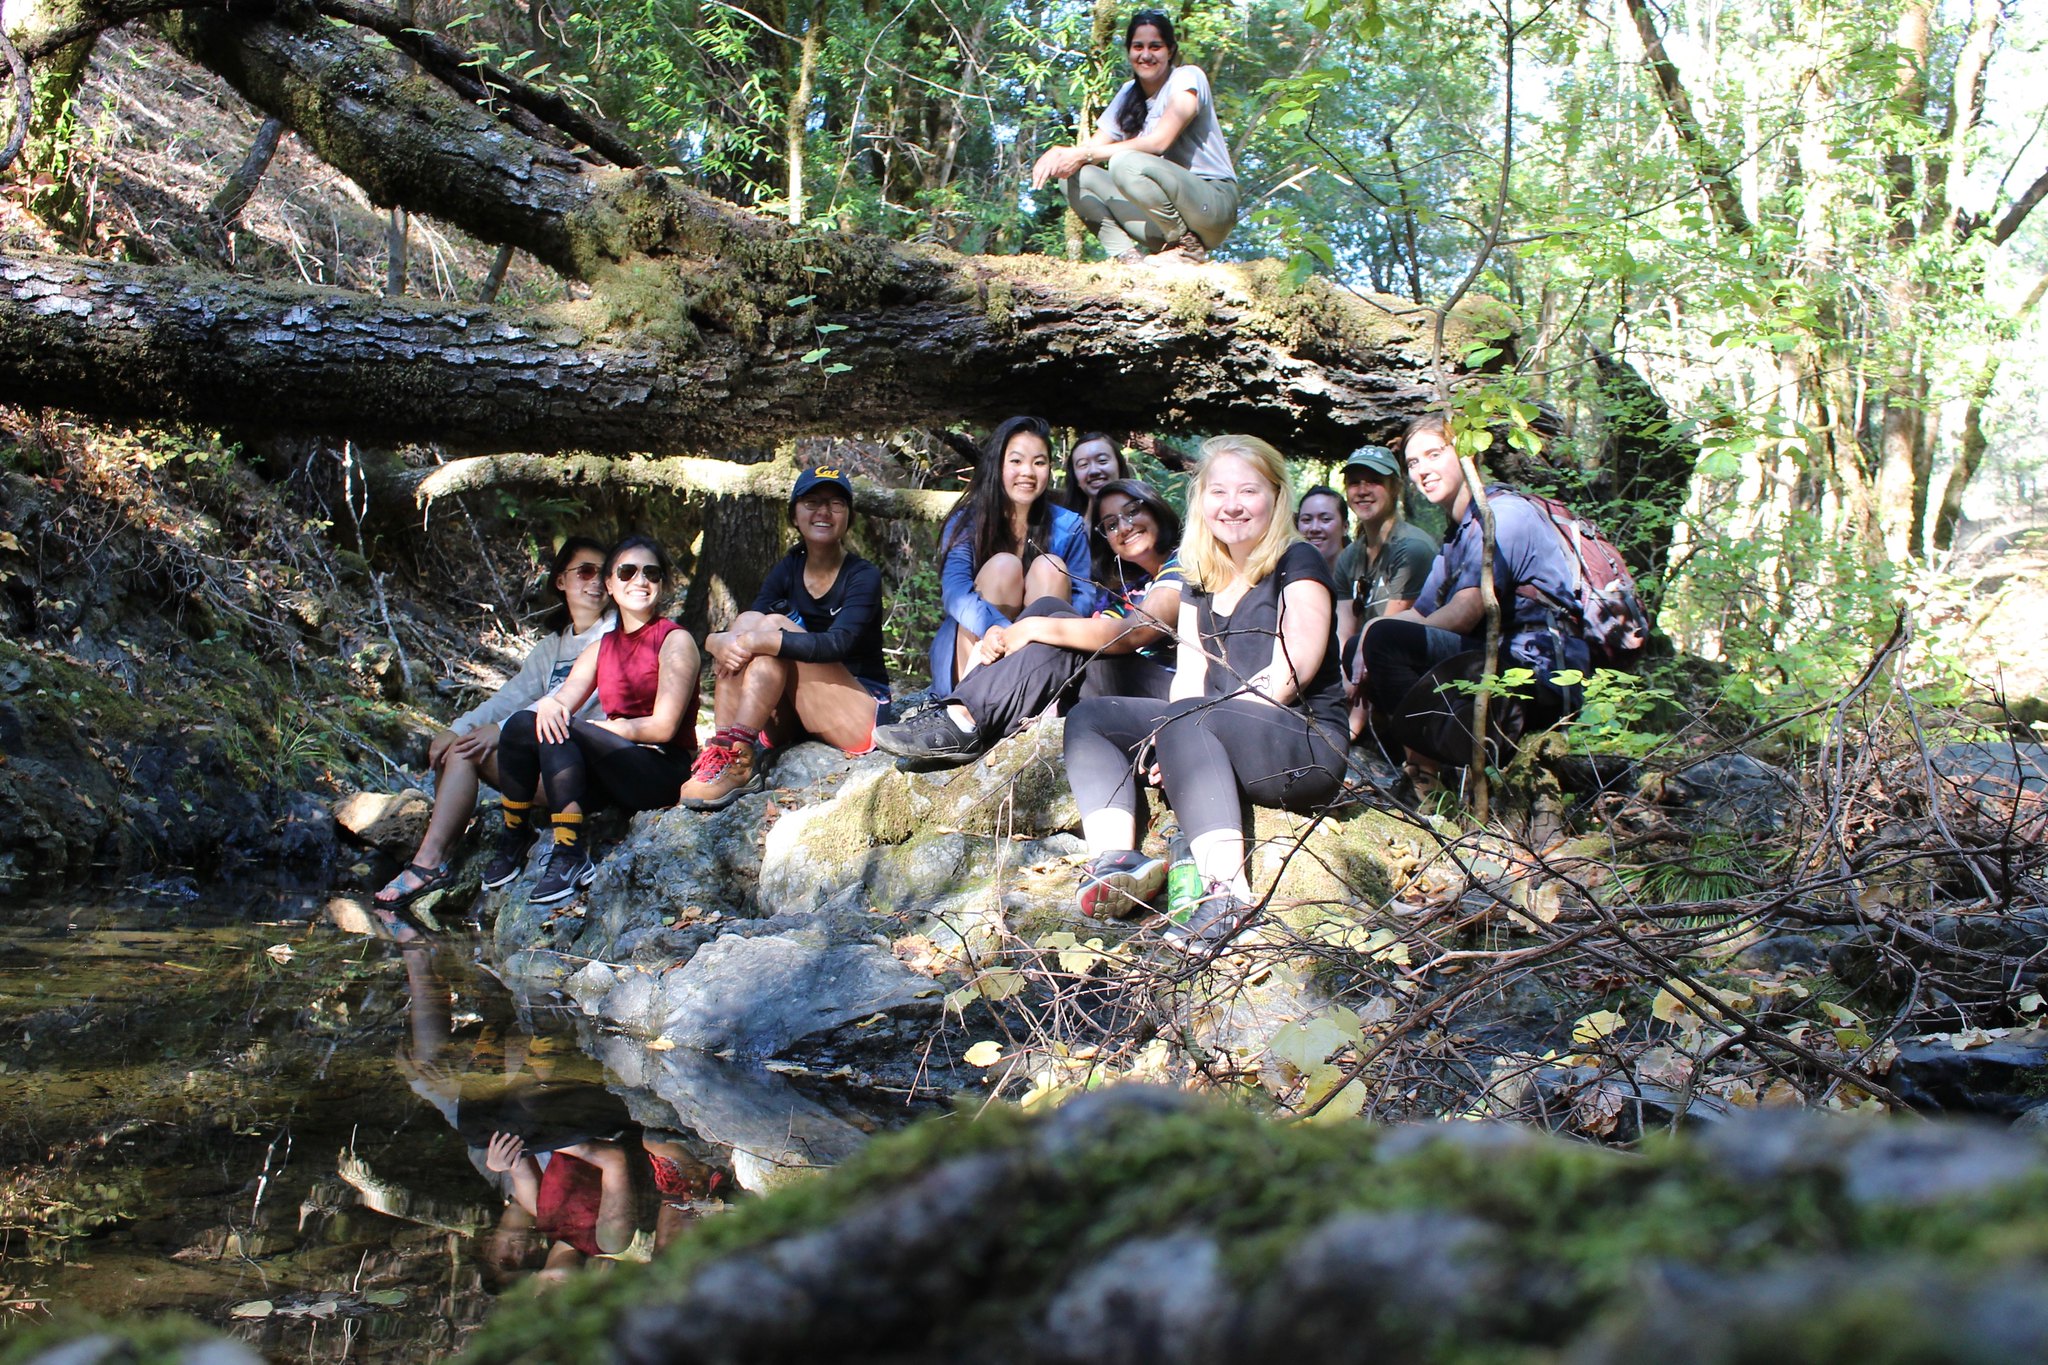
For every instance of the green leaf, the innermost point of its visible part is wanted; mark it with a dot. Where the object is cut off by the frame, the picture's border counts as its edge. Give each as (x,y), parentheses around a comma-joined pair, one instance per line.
(813,357)
(837,367)
(827,328)
(385,1298)
(801,299)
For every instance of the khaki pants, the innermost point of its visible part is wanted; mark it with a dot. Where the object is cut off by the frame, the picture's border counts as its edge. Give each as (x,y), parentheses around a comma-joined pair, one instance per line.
(1143,202)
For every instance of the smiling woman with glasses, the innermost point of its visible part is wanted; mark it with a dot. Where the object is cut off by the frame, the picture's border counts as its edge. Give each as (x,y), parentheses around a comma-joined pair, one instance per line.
(1051,653)
(637,757)
(467,751)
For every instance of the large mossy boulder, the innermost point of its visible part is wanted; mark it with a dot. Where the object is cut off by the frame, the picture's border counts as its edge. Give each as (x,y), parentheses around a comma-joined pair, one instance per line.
(1140,1225)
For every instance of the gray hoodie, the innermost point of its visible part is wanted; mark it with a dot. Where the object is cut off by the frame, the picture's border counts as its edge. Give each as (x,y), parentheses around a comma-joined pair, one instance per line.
(543,671)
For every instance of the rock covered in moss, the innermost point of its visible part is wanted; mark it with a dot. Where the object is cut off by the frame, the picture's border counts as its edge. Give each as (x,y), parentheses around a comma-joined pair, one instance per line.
(1137,1224)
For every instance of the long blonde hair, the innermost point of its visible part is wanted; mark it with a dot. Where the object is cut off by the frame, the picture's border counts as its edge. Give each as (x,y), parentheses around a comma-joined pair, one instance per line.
(1208,564)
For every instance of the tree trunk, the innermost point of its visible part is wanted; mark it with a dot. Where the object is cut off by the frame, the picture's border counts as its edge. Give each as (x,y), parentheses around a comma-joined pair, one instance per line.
(1971,445)
(742,537)
(800,113)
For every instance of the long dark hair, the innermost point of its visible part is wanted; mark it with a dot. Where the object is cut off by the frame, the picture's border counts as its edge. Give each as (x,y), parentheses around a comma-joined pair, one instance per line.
(983,510)
(668,568)
(1109,570)
(1071,494)
(558,619)
(1130,115)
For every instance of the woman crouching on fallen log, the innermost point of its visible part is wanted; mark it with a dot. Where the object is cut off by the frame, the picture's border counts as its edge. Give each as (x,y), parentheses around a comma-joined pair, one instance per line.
(467,751)
(1154,182)
(805,659)
(1052,652)
(645,675)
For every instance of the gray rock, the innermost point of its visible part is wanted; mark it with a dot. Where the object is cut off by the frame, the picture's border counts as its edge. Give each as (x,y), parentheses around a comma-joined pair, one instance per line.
(1731,791)
(2004,781)
(1883,1162)
(1985,956)
(1158,1299)
(1406,1139)
(1368,1287)
(1781,951)
(392,821)
(741,1106)
(589,984)
(1822,1312)
(306,831)
(753,997)
(1769,1144)
(632,1001)
(1927,1163)
(2005,1077)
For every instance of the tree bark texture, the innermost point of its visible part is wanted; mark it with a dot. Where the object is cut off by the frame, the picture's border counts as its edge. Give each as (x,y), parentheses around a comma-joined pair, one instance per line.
(702,316)
(132,341)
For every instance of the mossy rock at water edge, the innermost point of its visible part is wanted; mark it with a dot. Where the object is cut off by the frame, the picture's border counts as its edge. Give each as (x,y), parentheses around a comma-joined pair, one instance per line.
(1138,1224)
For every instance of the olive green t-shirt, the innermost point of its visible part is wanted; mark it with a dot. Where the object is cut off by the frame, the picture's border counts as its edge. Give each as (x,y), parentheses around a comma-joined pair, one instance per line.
(1397,572)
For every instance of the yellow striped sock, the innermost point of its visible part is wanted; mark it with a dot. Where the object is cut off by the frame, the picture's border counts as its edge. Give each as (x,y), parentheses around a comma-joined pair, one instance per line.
(515,813)
(568,829)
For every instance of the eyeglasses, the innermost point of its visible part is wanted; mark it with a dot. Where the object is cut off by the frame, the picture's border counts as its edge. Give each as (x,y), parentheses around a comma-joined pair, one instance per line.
(626,573)
(585,572)
(1119,521)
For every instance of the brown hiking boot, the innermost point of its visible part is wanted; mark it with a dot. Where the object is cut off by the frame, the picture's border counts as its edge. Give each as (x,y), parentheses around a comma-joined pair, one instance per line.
(722,774)
(1189,250)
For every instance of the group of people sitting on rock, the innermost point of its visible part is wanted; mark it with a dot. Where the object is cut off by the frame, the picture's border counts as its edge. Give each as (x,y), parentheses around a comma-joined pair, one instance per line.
(1230,659)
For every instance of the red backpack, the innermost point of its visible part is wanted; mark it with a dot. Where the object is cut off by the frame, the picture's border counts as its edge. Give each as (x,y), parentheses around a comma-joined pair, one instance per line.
(1609,609)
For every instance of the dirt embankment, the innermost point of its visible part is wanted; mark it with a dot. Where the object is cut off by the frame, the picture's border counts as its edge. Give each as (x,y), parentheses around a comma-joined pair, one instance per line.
(195,653)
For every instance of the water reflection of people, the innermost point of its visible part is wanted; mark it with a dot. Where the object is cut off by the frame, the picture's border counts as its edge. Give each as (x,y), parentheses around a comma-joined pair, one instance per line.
(581,1179)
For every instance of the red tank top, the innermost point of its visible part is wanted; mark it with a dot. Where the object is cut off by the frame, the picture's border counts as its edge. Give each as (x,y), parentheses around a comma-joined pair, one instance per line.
(629,669)
(566,1207)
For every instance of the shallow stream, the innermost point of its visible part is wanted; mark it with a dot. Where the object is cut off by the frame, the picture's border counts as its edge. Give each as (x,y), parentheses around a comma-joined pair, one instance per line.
(233,1106)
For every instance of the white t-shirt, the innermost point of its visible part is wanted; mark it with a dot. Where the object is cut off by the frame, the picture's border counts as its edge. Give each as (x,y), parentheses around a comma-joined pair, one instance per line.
(1200,146)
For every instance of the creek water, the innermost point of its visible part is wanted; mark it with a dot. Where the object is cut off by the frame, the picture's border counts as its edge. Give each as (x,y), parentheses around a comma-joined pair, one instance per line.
(230,1106)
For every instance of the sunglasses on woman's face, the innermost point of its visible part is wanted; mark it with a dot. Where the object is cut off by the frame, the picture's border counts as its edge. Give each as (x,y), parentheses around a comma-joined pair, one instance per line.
(626,573)
(1120,521)
(585,572)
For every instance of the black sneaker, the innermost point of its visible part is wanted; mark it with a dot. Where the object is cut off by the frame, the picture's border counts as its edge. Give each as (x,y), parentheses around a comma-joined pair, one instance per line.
(1115,885)
(1214,920)
(567,873)
(510,859)
(929,736)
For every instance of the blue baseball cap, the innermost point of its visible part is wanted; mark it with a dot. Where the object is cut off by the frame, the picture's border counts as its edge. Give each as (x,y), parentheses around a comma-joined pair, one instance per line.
(821,476)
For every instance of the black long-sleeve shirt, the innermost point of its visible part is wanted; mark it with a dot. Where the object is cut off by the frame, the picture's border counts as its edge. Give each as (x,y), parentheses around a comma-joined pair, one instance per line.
(844,626)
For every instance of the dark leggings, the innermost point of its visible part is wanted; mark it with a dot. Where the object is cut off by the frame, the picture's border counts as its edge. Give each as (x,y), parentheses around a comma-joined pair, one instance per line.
(1004,695)
(1213,753)
(1397,654)
(593,768)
